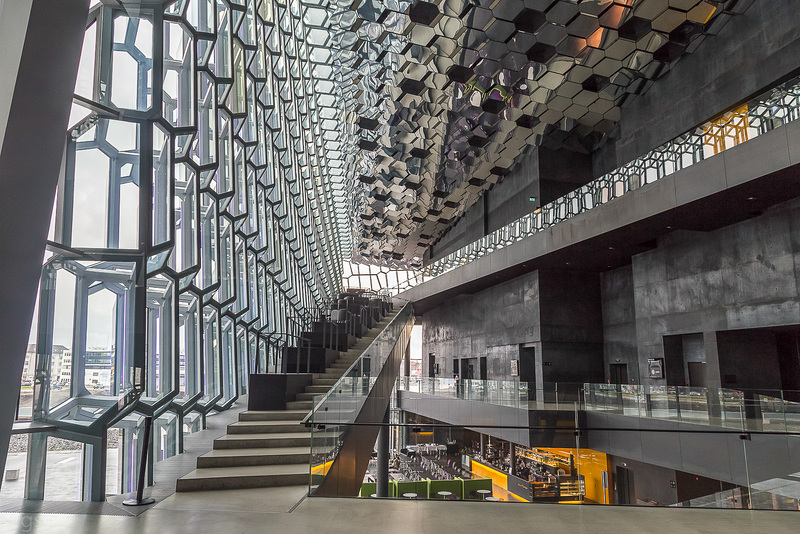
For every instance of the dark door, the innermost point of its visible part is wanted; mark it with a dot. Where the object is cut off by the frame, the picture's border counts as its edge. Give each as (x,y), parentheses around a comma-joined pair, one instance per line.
(455,368)
(483,368)
(431,364)
(623,486)
(468,368)
(619,373)
(697,374)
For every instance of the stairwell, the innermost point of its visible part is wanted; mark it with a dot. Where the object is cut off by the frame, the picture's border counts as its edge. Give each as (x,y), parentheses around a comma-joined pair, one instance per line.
(271,448)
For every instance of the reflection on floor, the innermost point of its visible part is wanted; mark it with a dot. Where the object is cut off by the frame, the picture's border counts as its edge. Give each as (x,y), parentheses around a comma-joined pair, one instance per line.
(505,495)
(268,510)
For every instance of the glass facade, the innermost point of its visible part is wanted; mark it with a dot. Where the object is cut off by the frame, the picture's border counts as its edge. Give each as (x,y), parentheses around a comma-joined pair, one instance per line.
(198,210)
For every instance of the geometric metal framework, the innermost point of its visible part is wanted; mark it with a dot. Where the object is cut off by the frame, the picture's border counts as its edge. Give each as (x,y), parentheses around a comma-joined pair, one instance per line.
(196,231)
(431,103)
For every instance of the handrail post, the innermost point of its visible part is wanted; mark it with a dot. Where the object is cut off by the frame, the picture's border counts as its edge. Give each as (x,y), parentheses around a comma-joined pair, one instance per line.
(140,500)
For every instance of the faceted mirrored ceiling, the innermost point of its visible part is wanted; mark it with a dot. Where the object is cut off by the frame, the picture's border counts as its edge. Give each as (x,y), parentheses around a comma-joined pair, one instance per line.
(428,104)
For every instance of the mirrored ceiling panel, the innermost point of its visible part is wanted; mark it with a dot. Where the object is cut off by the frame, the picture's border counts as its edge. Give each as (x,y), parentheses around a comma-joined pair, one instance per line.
(427,105)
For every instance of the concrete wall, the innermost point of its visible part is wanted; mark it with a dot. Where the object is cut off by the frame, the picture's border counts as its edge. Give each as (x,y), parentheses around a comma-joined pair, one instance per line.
(556,312)
(742,276)
(651,484)
(510,199)
(469,228)
(544,175)
(619,321)
(693,285)
(491,323)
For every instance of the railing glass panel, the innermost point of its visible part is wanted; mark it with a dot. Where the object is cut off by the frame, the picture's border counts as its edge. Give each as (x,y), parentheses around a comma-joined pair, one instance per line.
(576,463)
(332,412)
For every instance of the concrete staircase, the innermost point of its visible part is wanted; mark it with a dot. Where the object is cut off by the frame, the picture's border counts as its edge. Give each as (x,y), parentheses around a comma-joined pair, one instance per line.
(268,449)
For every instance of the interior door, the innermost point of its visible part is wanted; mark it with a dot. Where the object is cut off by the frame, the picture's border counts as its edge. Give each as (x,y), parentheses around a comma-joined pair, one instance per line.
(623,486)
(697,374)
(619,373)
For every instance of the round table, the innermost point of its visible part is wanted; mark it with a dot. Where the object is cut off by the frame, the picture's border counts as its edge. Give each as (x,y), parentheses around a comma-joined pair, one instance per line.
(444,494)
(483,493)
(410,495)
(492,499)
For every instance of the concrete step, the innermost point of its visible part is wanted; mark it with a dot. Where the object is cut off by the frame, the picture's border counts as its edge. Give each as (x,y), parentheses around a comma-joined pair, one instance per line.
(317,389)
(260,441)
(327,375)
(263,456)
(335,376)
(327,382)
(274,415)
(259,476)
(265,427)
(305,396)
(300,405)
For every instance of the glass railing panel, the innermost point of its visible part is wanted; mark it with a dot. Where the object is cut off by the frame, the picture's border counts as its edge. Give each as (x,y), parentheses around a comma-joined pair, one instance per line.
(341,405)
(732,408)
(504,393)
(662,403)
(566,462)
(791,414)
(629,400)
(692,404)
(773,412)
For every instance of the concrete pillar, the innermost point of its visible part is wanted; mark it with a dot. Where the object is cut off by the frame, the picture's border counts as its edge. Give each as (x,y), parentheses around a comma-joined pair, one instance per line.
(35,466)
(41,42)
(383,458)
(713,377)
(512,452)
(483,447)
(94,470)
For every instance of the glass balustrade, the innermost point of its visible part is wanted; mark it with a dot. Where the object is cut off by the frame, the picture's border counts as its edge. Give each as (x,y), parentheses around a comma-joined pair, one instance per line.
(334,411)
(565,461)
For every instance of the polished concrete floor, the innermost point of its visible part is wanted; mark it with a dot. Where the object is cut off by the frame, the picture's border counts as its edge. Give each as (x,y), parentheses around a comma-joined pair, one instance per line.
(288,511)
(277,510)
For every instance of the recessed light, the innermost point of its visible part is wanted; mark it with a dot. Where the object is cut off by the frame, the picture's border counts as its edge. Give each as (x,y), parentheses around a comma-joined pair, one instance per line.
(751,198)
(610,248)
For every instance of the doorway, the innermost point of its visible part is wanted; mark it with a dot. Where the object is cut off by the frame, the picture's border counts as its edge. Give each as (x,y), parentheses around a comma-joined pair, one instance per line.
(527,369)
(619,373)
(623,486)
(468,368)
(431,364)
(483,368)
(697,374)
